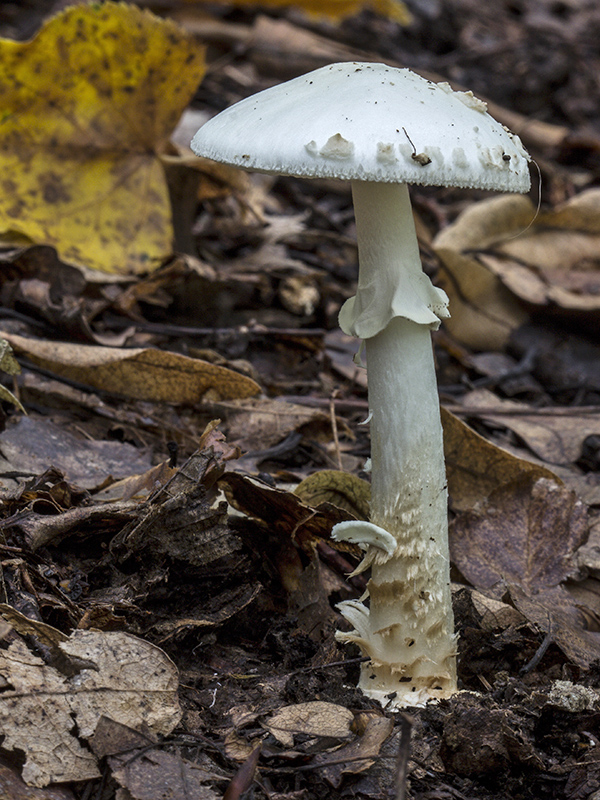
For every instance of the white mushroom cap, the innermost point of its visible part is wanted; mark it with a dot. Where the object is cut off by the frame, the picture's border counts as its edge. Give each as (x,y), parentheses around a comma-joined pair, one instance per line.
(368,122)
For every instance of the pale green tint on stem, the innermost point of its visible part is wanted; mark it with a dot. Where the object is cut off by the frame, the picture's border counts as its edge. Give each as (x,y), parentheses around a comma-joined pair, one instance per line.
(407,628)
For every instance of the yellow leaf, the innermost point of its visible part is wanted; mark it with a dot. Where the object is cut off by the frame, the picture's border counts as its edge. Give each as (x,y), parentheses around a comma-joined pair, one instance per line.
(335,9)
(340,488)
(140,373)
(10,365)
(86,108)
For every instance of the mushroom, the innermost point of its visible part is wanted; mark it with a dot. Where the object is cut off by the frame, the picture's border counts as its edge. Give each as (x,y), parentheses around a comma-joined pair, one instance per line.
(383,128)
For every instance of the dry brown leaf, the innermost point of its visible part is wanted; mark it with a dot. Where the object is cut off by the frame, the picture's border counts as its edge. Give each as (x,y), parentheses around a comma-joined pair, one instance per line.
(476,466)
(138,762)
(13,787)
(32,444)
(357,756)
(127,679)
(255,425)
(209,614)
(149,774)
(554,438)
(574,629)
(483,311)
(316,718)
(524,535)
(283,511)
(495,614)
(139,486)
(493,258)
(180,520)
(140,373)
(39,530)
(523,540)
(556,263)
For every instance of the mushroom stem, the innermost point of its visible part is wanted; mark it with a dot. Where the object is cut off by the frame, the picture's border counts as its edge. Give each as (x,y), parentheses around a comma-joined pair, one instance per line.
(408,629)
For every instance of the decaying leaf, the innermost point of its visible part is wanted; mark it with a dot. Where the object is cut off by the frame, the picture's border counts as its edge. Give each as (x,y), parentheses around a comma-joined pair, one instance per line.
(244,777)
(140,373)
(574,628)
(209,613)
(525,535)
(87,107)
(316,718)
(127,679)
(284,511)
(139,764)
(179,520)
(258,424)
(15,788)
(522,540)
(498,252)
(476,466)
(358,755)
(555,264)
(33,444)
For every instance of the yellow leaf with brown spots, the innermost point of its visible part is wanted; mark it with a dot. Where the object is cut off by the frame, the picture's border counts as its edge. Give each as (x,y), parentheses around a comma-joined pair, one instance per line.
(87,106)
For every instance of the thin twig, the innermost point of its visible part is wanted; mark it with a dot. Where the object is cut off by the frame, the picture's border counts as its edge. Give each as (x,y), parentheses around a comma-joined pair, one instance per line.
(406,725)
(334,429)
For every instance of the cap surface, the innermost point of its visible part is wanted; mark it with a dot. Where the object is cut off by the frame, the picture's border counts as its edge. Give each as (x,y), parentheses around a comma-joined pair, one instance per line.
(370,122)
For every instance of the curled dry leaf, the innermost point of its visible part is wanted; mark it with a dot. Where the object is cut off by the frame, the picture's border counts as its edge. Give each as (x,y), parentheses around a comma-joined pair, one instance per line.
(139,373)
(476,466)
(87,107)
(498,256)
(284,511)
(127,679)
(484,312)
(146,774)
(339,488)
(554,438)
